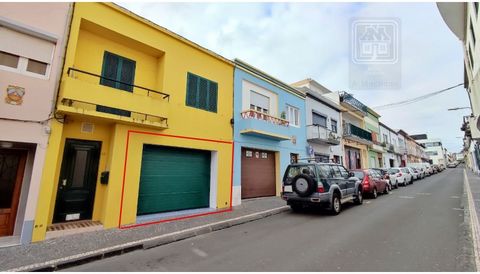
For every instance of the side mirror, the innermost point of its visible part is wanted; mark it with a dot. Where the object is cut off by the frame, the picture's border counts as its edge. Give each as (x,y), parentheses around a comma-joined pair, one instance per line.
(351,174)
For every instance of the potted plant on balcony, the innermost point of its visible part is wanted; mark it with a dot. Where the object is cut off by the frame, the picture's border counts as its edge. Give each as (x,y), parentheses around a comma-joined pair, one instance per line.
(283,115)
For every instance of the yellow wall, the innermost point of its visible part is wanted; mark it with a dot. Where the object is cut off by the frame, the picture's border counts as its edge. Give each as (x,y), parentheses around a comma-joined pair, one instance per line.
(162,63)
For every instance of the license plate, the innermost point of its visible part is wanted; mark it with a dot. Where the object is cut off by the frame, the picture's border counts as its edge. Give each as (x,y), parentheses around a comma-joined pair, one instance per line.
(287,189)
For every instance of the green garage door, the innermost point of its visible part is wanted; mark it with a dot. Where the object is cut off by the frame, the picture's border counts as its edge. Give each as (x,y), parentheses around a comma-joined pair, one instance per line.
(173,179)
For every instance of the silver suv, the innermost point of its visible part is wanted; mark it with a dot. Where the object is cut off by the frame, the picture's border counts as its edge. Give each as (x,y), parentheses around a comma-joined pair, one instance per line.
(320,184)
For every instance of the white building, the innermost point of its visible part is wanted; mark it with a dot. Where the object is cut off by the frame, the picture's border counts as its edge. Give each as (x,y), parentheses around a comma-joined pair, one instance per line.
(463,20)
(323,121)
(435,151)
(389,139)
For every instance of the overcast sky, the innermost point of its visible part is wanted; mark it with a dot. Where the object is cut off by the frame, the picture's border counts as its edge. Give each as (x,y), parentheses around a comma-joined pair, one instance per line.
(294,41)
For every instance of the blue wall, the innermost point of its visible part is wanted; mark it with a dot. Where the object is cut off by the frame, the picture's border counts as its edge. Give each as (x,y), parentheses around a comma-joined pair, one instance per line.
(283,147)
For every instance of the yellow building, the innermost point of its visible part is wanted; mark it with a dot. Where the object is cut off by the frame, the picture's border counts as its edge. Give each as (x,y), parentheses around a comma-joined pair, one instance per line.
(356,139)
(143,125)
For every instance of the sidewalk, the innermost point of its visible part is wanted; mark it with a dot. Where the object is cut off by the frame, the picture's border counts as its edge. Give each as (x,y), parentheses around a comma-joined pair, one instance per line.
(471,204)
(75,249)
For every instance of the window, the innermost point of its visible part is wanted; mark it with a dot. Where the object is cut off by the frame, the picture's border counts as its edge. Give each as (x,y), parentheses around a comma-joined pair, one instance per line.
(475,4)
(321,158)
(259,102)
(385,138)
(432,153)
(9,60)
(336,172)
(117,72)
(201,93)
(334,126)
(37,67)
(293,116)
(24,53)
(319,120)
(343,171)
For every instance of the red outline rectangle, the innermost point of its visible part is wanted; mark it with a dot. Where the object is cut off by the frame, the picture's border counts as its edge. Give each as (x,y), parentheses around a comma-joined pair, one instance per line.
(177,218)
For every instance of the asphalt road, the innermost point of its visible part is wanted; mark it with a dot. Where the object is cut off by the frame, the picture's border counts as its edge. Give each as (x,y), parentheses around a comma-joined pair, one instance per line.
(415,228)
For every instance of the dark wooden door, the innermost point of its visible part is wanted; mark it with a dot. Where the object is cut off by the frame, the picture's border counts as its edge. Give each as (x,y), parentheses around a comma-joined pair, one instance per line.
(77,182)
(258,173)
(12,167)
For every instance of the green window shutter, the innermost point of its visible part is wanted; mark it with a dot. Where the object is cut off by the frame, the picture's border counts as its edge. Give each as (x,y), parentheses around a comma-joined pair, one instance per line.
(213,94)
(109,69)
(192,81)
(118,69)
(203,93)
(127,74)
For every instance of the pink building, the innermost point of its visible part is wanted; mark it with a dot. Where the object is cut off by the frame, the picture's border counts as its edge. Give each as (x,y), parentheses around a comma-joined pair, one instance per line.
(32,45)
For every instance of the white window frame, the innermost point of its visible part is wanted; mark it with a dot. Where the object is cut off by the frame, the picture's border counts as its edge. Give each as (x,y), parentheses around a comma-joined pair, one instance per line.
(22,68)
(291,110)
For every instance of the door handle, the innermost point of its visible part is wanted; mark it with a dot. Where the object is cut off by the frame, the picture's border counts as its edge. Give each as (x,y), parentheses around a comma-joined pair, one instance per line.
(64,182)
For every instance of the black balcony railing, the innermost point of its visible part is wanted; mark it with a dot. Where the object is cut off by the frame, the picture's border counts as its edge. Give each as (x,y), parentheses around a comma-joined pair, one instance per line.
(350,129)
(350,100)
(148,90)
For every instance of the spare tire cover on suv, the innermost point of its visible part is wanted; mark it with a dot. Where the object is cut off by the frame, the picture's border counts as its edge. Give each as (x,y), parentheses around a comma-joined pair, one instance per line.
(304,185)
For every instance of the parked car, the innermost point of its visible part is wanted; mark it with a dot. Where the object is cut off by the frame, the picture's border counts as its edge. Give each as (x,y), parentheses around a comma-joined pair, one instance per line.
(372,182)
(402,176)
(428,169)
(420,168)
(391,180)
(436,169)
(320,185)
(452,165)
(415,174)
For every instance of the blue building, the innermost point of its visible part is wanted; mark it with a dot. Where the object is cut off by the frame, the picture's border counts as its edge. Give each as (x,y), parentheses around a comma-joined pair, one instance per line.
(269,132)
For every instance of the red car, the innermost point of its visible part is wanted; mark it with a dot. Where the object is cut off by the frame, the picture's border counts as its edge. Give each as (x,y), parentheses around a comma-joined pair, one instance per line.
(372,182)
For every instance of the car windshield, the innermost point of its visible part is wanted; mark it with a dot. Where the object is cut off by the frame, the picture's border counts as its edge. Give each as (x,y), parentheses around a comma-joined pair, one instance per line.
(393,171)
(358,174)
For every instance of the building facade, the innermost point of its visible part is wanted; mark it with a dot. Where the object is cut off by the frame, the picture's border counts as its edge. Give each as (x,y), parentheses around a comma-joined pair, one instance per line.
(356,139)
(391,155)
(269,132)
(463,20)
(323,122)
(375,150)
(143,125)
(31,57)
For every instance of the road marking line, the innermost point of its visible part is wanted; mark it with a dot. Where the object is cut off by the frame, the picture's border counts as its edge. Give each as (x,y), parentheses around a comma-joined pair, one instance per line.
(454,197)
(426,194)
(406,197)
(474,225)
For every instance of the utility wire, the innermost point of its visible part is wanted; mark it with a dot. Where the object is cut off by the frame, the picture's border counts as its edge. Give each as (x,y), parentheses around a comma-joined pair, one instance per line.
(416,99)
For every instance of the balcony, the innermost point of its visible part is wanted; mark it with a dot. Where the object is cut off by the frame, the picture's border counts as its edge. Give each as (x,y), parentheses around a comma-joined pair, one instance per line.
(357,134)
(82,94)
(263,125)
(321,135)
(353,104)
(390,148)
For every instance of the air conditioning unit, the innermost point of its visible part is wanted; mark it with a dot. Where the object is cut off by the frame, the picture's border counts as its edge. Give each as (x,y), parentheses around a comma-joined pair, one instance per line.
(474,127)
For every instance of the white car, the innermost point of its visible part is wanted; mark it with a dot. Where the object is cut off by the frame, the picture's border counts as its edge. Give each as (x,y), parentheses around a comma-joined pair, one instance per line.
(415,175)
(402,175)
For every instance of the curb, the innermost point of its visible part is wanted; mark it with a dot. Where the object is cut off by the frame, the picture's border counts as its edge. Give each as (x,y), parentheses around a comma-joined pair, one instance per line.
(146,243)
(467,259)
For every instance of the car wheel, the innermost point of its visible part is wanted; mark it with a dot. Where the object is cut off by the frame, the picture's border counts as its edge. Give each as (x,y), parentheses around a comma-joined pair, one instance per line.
(396,184)
(374,193)
(386,189)
(359,198)
(336,204)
